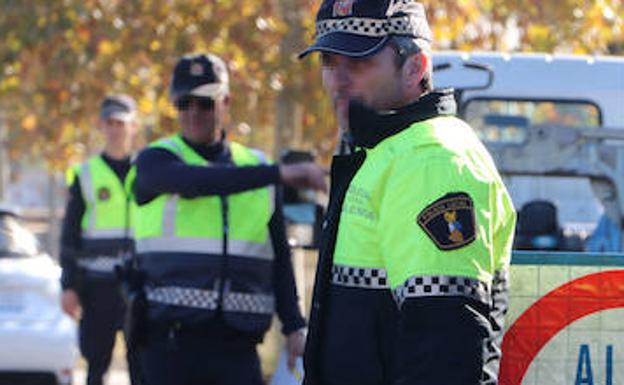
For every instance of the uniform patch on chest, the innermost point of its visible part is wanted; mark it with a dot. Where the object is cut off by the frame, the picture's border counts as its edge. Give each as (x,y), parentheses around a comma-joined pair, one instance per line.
(449,221)
(103,194)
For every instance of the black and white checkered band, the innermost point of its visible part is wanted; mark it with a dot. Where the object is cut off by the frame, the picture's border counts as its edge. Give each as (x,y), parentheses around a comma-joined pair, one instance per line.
(360,277)
(442,285)
(100,264)
(249,303)
(183,296)
(364,26)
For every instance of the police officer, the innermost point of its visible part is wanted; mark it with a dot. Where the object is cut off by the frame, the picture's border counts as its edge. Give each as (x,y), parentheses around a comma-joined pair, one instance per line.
(211,241)
(96,236)
(411,278)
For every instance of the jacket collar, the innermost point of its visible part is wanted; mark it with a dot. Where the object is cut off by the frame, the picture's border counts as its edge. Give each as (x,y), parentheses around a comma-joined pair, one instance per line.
(369,127)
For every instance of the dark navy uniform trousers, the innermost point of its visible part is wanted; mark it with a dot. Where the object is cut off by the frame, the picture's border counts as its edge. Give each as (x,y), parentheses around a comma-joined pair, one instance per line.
(102,316)
(195,357)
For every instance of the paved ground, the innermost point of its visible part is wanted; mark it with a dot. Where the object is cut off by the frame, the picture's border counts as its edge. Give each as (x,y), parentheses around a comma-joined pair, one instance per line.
(115,377)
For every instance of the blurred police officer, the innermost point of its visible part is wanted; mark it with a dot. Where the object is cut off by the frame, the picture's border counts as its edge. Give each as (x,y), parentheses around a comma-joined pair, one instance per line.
(211,241)
(411,279)
(96,237)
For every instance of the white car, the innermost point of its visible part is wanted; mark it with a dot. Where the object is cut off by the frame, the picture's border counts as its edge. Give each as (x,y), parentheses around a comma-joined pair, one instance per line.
(37,341)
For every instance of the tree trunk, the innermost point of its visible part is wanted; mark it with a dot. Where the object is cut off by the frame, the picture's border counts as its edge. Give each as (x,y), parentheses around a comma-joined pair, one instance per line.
(288,110)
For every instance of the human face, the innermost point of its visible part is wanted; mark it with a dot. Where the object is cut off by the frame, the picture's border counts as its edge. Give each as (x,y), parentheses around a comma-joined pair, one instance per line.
(201,117)
(118,133)
(374,81)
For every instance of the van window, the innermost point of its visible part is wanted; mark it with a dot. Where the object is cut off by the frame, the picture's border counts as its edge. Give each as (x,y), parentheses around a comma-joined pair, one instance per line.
(506,121)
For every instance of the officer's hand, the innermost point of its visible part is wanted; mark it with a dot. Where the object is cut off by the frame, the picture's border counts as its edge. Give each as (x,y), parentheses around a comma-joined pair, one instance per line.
(304,175)
(71,303)
(295,345)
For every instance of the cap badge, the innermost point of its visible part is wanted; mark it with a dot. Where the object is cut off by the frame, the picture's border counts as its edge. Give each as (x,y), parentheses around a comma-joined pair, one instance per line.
(343,8)
(197,69)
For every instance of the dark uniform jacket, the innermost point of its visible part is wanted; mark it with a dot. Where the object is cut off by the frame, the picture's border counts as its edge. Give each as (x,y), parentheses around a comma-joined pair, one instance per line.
(361,337)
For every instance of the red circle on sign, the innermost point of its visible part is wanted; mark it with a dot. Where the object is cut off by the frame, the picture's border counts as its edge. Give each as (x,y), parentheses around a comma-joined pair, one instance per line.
(551,314)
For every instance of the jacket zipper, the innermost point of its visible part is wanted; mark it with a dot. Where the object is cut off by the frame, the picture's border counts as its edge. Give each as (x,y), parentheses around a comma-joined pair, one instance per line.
(223,281)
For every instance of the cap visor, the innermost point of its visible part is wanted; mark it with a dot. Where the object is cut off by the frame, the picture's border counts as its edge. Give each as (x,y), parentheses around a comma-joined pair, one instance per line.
(214,90)
(121,116)
(346,44)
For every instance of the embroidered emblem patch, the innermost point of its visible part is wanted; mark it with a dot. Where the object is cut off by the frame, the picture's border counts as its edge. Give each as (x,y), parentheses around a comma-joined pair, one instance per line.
(343,8)
(449,221)
(103,194)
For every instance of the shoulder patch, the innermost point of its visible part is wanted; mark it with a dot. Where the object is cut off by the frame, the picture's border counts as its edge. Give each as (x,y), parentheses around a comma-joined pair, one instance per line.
(449,221)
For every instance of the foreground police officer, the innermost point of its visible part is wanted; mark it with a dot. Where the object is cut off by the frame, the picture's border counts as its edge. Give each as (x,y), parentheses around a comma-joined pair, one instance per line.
(411,279)
(96,236)
(211,240)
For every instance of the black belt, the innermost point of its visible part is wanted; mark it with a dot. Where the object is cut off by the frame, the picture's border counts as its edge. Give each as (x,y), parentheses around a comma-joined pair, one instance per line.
(214,330)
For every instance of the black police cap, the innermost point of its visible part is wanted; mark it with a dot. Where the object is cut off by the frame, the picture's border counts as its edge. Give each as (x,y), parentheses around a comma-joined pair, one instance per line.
(359,28)
(199,74)
(120,107)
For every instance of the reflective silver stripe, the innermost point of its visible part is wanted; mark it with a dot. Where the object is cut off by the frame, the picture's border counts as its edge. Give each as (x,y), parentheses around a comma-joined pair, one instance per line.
(271,189)
(262,159)
(104,233)
(100,264)
(263,251)
(442,285)
(169,216)
(86,185)
(360,277)
(179,244)
(249,303)
(251,249)
(183,296)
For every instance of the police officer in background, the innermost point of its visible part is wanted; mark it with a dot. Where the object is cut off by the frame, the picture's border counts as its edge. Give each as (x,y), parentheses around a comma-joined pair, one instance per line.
(411,281)
(96,236)
(211,241)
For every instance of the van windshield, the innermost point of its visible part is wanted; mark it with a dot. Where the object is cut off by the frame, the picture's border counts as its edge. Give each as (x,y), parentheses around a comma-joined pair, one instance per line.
(561,209)
(505,121)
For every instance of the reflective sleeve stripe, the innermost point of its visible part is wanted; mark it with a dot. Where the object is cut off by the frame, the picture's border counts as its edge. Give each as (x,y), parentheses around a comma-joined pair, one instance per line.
(442,286)
(262,251)
(249,303)
(101,264)
(118,233)
(183,296)
(361,277)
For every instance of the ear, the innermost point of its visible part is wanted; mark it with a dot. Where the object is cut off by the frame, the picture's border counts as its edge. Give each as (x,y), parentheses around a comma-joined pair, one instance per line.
(414,70)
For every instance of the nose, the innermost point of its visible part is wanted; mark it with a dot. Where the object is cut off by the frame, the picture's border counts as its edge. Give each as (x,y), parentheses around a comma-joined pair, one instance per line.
(342,73)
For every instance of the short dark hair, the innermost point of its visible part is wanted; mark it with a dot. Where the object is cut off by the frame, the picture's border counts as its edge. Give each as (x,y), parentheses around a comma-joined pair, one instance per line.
(404,47)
